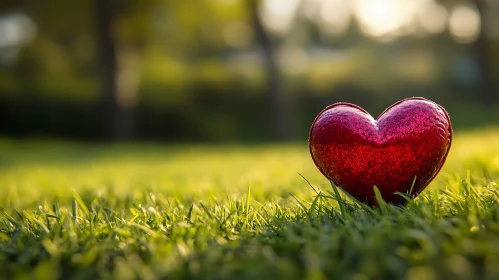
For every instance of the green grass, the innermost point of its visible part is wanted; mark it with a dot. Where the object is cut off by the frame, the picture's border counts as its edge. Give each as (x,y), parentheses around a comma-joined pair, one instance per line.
(238,212)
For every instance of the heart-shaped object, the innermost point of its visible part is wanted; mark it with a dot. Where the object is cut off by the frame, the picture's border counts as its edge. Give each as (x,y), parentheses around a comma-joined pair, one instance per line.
(408,143)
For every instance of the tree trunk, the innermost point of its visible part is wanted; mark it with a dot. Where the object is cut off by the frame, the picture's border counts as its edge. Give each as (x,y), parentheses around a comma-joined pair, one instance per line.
(483,55)
(118,120)
(274,80)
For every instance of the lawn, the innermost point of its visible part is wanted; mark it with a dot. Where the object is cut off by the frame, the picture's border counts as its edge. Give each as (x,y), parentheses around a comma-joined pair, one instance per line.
(72,210)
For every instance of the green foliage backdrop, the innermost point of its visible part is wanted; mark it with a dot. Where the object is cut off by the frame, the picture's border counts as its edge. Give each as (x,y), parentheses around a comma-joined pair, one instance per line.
(196,70)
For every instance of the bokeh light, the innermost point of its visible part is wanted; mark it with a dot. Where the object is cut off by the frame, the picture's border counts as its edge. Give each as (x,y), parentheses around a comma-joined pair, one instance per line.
(432,17)
(16,30)
(335,16)
(204,67)
(385,18)
(464,24)
(278,15)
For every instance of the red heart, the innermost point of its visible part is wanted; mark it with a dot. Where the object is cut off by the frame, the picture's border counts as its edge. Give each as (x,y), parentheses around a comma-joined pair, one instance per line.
(410,139)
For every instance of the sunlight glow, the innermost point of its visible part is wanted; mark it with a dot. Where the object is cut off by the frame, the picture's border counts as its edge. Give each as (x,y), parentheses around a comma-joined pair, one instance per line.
(378,18)
(384,20)
(311,9)
(464,24)
(278,15)
(16,30)
(432,17)
(335,16)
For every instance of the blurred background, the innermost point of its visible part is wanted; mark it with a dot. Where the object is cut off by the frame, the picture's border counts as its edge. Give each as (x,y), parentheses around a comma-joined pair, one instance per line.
(237,70)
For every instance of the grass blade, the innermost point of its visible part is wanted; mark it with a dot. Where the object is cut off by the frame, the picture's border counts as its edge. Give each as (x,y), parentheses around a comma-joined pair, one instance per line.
(339,199)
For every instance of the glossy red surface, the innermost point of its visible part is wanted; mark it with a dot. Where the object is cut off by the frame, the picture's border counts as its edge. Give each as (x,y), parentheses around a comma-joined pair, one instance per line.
(409,139)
